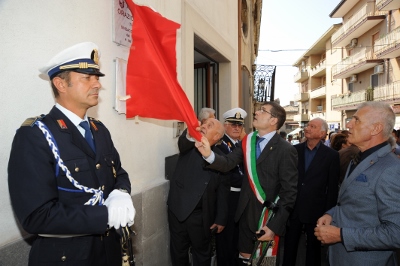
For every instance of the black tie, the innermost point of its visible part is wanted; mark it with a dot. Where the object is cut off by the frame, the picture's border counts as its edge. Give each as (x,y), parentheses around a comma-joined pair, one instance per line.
(88,134)
(353,163)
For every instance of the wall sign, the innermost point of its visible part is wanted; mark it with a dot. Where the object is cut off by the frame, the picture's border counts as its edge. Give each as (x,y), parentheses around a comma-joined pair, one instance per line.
(123,20)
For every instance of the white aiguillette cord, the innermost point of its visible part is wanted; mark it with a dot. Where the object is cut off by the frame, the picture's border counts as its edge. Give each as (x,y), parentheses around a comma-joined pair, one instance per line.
(98,193)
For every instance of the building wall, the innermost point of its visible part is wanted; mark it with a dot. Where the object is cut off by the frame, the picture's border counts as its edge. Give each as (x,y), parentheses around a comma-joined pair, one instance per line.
(333,87)
(34,32)
(394,64)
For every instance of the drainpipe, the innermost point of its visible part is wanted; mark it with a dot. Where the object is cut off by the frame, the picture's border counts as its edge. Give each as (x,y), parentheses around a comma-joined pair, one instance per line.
(387,61)
(239,69)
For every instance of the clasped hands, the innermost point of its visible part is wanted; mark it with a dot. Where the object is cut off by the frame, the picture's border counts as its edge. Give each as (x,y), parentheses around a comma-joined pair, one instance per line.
(120,209)
(325,232)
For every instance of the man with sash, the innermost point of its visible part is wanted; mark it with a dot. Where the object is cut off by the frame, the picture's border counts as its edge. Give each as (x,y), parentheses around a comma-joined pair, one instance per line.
(66,182)
(271,169)
(227,240)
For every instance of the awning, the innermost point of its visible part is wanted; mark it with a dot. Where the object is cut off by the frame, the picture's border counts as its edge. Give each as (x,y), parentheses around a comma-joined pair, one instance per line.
(296,131)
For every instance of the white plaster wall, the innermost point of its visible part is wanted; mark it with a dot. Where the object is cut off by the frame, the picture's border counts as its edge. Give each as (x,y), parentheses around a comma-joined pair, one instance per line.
(214,21)
(31,32)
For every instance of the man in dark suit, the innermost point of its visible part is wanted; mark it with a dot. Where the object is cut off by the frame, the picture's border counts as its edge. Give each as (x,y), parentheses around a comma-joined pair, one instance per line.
(227,240)
(317,191)
(197,200)
(271,168)
(60,170)
(364,226)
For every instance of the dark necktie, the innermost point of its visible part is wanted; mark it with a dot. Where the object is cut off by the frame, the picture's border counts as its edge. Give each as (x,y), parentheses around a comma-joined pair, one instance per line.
(354,162)
(258,148)
(88,134)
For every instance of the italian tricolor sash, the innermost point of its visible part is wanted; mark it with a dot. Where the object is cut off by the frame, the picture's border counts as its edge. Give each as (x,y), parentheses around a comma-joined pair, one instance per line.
(249,153)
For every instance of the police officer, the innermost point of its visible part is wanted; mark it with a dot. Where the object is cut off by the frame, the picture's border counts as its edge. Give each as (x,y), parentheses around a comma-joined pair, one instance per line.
(227,240)
(65,178)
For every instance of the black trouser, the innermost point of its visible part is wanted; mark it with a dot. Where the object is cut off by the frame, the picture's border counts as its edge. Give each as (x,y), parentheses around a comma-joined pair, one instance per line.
(227,240)
(189,233)
(292,236)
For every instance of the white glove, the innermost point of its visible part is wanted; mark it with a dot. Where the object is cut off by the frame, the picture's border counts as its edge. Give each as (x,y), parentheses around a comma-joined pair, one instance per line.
(120,209)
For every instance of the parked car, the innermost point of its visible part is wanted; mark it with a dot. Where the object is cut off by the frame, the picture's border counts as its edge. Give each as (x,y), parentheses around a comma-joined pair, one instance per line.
(295,141)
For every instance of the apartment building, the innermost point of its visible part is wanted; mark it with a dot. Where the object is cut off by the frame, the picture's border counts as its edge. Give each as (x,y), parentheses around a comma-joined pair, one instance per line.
(353,62)
(316,85)
(369,43)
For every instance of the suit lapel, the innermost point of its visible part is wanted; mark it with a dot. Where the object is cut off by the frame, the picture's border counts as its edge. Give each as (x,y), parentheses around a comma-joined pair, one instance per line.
(96,137)
(318,158)
(227,140)
(271,145)
(364,165)
(301,159)
(76,138)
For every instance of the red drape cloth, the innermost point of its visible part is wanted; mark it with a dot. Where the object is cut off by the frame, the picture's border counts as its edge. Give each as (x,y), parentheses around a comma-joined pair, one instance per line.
(151,78)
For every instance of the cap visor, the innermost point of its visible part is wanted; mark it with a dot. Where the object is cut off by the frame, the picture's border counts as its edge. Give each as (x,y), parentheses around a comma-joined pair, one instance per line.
(90,71)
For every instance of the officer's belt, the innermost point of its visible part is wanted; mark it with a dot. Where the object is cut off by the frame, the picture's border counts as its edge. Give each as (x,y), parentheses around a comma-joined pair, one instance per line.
(62,236)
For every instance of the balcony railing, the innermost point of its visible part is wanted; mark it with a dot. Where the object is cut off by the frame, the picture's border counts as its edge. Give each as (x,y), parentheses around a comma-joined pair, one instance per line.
(318,68)
(387,4)
(318,92)
(387,42)
(388,93)
(364,53)
(301,76)
(365,11)
(318,114)
(301,97)
(345,101)
(301,117)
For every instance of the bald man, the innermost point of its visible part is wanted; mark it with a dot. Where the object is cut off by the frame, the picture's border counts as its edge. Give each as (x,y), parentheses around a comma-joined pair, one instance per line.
(197,200)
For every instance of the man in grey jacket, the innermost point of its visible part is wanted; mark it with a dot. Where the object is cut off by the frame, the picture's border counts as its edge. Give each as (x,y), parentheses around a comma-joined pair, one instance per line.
(364,227)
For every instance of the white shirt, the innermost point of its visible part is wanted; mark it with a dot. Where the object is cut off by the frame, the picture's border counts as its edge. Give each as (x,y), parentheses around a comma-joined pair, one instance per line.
(76,120)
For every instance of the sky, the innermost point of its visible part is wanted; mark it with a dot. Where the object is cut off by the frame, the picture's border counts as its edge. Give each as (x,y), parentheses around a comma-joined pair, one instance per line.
(291,25)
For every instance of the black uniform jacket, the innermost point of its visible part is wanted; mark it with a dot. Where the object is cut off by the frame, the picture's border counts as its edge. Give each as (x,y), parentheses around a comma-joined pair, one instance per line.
(236,174)
(48,204)
(193,185)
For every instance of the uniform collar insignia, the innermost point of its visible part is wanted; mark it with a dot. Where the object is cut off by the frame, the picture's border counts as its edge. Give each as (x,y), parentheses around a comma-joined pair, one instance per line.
(93,125)
(62,124)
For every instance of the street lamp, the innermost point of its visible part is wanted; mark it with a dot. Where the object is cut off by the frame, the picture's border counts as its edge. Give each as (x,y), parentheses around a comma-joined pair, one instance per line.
(261,89)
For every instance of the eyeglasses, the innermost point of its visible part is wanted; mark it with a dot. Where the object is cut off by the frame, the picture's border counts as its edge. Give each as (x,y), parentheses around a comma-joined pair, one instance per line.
(265,111)
(236,125)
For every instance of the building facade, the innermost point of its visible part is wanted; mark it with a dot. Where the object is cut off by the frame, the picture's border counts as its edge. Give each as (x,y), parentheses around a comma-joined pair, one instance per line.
(216,47)
(353,62)
(369,40)
(315,82)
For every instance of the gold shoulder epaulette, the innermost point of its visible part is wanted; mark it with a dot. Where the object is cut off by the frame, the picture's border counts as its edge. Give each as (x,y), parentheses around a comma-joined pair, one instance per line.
(31,121)
(219,142)
(95,120)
